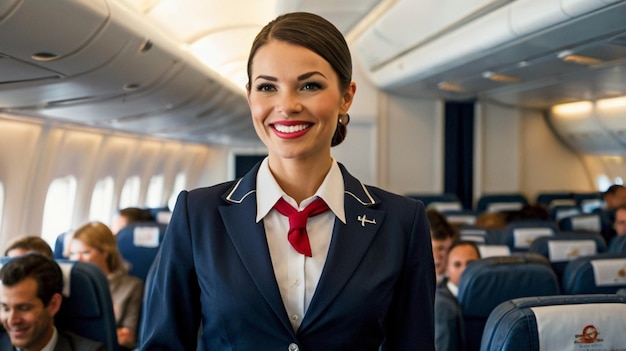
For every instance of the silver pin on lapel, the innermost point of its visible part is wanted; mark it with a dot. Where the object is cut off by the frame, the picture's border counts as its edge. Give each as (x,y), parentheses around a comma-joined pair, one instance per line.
(363,219)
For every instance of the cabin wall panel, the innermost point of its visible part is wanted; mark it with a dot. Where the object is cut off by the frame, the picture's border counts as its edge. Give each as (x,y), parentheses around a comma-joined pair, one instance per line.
(78,156)
(358,152)
(208,168)
(498,164)
(18,142)
(547,164)
(413,152)
(517,152)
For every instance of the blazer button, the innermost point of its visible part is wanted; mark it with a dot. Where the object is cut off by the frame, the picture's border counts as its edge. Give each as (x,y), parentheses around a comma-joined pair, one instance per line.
(293,347)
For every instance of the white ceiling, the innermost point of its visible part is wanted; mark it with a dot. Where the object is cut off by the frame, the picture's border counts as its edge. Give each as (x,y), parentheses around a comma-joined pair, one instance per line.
(176,68)
(220,32)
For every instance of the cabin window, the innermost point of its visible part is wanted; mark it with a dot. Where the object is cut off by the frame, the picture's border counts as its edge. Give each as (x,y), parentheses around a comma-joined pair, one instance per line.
(102,201)
(130,192)
(180,183)
(58,208)
(603,182)
(155,191)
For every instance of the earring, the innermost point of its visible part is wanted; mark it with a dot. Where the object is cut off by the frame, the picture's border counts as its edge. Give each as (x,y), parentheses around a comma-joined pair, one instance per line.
(345,119)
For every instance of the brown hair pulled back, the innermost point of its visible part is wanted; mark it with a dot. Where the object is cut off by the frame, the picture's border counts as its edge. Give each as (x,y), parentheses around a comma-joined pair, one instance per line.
(318,35)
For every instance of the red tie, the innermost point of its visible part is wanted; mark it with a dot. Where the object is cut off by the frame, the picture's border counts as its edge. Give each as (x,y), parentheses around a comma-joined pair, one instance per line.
(297,222)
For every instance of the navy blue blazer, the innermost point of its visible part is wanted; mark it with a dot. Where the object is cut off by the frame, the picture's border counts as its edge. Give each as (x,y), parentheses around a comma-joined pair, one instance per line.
(376,288)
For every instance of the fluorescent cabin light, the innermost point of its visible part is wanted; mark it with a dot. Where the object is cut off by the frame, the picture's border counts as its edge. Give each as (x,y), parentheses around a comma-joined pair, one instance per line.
(502,78)
(581,60)
(612,103)
(447,86)
(573,108)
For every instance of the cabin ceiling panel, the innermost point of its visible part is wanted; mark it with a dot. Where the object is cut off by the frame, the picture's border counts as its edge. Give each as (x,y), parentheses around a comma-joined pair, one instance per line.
(14,71)
(343,14)
(184,114)
(121,69)
(44,28)
(579,86)
(535,61)
(175,88)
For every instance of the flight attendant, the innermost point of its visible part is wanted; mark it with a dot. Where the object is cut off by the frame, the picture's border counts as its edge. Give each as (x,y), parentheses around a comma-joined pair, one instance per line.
(297,254)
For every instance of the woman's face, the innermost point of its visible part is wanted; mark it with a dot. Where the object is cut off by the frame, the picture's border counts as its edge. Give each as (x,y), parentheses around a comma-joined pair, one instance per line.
(295,101)
(80,251)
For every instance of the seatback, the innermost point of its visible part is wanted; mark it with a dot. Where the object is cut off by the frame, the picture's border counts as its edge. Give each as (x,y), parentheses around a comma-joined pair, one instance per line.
(567,246)
(599,274)
(437,200)
(138,244)
(460,217)
(493,250)
(520,234)
(557,323)
(60,244)
(87,308)
(588,202)
(584,221)
(559,212)
(490,281)
(476,234)
(618,244)
(551,199)
(500,202)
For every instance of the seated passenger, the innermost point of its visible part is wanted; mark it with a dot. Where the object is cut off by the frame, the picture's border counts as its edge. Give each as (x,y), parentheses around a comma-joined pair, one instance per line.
(449,334)
(614,196)
(442,235)
(25,244)
(619,223)
(94,242)
(491,220)
(30,298)
(129,215)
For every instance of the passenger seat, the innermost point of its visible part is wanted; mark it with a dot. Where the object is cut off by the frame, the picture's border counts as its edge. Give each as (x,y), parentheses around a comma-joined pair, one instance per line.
(490,281)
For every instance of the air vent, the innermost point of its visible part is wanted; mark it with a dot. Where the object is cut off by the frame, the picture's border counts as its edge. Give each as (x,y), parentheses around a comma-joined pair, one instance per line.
(44,56)
(57,103)
(145,47)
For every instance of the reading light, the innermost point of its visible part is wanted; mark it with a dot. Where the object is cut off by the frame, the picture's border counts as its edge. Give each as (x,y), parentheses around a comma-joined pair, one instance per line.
(502,78)
(574,108)
(447,86)
(581,60)
(44,56)
(605,104)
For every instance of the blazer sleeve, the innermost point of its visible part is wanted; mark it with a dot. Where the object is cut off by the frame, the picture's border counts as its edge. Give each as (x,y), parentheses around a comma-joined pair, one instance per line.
(410,321)
(172,296)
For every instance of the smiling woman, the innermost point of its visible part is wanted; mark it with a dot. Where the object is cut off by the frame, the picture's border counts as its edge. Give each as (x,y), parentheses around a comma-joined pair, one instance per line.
(258,288)
(108,104)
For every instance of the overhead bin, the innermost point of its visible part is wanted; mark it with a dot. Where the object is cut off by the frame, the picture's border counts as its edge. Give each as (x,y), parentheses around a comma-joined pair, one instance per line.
(107,67)
(38,35)
(135,63)
(590,129)
(496,26)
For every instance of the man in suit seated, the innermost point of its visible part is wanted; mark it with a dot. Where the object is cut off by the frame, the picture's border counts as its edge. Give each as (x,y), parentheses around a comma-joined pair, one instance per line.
(30,296)
(449,334)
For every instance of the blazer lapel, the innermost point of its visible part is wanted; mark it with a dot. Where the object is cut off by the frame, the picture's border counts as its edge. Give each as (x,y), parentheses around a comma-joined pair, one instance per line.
(250,241)
(349,243)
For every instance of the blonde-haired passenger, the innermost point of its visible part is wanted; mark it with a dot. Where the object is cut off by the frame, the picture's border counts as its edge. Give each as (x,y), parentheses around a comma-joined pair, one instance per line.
(95,243)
